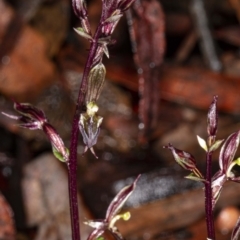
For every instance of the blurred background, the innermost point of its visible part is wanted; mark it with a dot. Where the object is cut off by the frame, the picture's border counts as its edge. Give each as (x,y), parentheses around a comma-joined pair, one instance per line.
(169,60)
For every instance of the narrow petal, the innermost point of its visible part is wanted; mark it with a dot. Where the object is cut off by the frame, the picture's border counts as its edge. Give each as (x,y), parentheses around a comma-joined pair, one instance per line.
(31,125)
(11,116)
(93,152)
(119,200)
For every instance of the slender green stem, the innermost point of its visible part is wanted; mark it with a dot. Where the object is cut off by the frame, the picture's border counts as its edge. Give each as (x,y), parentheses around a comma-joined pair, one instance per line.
(208,198)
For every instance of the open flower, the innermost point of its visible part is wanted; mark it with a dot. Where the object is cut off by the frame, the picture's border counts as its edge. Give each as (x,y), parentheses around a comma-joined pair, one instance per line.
(107,225)
(89,126)
(33,118)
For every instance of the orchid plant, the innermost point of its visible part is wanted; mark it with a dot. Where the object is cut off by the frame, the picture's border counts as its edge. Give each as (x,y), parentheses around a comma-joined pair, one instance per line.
(85,119)
(87,122)
(212,185)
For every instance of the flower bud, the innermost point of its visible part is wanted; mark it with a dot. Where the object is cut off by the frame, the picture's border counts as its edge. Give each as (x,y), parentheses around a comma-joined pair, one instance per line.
(212,118)
(184,159)
(228,151)
(95,82)
(34,118)
(59,149)
(30,116)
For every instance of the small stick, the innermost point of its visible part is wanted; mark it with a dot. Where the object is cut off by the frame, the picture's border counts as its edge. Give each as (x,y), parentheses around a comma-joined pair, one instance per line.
(207,42)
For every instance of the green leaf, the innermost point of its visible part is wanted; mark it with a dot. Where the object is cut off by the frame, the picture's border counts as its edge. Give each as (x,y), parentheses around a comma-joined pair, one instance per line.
(202,143)
(82,33)
(216,145)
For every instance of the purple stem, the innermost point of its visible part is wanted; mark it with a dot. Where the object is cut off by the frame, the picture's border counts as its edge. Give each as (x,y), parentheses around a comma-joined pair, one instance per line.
(72,164)
(208,198)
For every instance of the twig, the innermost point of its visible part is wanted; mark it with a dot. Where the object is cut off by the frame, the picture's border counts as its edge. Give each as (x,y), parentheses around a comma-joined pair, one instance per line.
(207,42)
(186,47)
